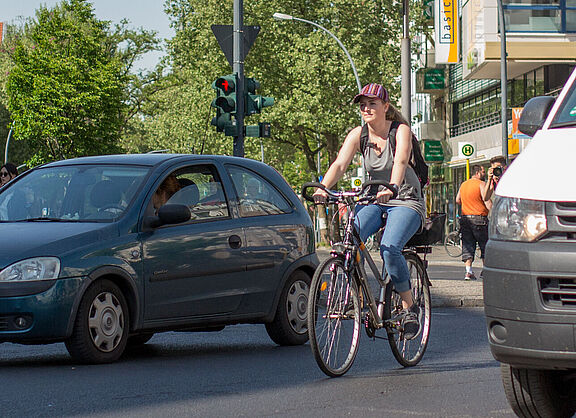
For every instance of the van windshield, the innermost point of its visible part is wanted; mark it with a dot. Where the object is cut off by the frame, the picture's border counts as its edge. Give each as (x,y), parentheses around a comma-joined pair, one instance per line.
(566,115)
(71,193)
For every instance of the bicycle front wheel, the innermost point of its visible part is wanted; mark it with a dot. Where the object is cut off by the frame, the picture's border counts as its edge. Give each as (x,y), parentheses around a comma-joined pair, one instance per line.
(333,317)
(409,352)
(453,244)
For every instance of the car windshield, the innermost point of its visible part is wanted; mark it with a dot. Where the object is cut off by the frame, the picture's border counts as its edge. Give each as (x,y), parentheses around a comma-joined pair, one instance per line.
(71,193)
(566,115)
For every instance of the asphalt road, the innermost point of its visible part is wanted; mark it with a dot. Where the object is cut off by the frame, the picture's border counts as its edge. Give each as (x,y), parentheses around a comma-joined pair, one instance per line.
(240,372)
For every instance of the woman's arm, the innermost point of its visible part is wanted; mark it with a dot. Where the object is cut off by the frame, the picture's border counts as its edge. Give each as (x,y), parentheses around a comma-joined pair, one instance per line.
(402,154)
(350,147)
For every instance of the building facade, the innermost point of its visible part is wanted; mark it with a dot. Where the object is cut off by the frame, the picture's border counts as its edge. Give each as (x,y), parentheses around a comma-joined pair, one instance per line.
(466,108)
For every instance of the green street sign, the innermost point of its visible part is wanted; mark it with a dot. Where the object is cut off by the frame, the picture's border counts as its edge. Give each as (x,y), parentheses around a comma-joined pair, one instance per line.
(433,151)
(434,79)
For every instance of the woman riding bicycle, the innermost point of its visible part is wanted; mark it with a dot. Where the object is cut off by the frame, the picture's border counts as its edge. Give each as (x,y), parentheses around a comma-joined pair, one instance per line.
(406,213)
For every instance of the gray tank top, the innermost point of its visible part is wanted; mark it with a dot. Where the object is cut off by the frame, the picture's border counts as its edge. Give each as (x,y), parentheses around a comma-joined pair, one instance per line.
(379,167)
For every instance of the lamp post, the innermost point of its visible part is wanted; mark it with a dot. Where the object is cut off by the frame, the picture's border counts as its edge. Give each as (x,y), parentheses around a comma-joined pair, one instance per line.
(406,86)
(282,16)
(503,80)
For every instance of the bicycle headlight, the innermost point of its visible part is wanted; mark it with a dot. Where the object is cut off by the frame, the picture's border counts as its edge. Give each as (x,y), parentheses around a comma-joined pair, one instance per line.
(514,219)
(32,269)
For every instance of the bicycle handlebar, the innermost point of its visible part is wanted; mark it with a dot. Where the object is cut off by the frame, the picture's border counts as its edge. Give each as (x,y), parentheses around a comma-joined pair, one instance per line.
(335,196)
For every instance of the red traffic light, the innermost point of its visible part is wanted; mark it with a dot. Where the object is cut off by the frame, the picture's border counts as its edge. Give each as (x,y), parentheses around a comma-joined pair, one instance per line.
(226,84)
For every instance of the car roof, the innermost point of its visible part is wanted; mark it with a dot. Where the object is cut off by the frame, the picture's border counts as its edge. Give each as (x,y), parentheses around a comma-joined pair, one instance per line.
(139,159)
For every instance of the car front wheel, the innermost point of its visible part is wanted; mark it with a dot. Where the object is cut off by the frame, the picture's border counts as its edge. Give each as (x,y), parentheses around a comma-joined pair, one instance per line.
(539,393)
(289,326)
(101,326)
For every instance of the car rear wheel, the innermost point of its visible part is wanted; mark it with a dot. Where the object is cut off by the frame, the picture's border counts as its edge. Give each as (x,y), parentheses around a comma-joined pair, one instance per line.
(290,326)
(101,326)
(539,393)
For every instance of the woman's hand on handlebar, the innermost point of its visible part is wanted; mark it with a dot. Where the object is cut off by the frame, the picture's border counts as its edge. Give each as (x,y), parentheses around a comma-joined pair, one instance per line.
(384,196)
(320,197)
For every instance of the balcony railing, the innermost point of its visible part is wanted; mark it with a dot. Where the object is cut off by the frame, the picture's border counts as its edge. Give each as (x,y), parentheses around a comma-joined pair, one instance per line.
(479,123)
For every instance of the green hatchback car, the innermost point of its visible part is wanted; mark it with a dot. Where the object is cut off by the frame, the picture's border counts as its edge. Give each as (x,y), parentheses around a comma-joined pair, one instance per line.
(103,252)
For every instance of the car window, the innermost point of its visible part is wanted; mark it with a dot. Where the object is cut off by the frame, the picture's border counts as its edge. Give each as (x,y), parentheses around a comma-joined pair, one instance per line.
(71,193)
(566,115)
(198,187)
(257,196)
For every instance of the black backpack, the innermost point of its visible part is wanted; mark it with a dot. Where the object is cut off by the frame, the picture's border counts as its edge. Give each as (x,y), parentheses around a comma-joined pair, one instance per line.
(416,162)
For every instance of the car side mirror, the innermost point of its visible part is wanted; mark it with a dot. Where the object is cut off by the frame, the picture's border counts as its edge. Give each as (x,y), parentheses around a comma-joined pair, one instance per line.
(534,114)
(168,215)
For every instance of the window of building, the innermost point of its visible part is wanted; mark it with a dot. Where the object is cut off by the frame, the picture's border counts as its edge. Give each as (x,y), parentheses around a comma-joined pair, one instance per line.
(483,107)
(540,15)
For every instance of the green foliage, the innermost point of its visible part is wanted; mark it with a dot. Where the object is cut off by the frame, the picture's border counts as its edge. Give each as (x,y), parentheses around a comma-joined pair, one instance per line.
(302,67)
(70,90)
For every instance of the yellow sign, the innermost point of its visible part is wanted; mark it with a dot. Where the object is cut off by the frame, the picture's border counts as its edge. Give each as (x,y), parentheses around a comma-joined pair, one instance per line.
(446,31)
(356,182)
(468,150)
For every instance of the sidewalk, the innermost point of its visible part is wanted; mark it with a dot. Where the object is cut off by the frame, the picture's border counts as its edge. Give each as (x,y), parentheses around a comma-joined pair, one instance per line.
(449,289)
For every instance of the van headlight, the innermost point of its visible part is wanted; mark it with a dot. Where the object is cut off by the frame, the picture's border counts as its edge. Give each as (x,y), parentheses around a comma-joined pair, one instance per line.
(513,219)
(32,269)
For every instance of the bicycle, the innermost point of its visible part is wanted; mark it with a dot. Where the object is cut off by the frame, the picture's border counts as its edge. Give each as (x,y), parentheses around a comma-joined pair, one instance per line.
(453,242)
(341,300)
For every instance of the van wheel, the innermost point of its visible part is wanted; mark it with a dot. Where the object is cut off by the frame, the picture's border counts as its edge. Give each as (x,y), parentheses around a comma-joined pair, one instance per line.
(290,326)
(539,393)
(101,326)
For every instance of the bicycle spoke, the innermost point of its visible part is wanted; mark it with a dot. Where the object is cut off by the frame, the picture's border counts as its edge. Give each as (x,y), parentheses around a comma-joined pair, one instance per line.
(334,326)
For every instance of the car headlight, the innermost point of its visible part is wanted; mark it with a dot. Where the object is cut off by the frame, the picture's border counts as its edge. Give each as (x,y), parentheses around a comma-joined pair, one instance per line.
(32,269)
(513,219)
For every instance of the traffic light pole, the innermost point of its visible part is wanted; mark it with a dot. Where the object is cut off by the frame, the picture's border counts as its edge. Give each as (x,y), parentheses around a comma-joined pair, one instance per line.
(238,68)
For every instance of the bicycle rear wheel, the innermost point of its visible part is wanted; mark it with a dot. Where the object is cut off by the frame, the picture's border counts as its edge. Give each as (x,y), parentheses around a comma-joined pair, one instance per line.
(409,352)
(333,317)
(453,244)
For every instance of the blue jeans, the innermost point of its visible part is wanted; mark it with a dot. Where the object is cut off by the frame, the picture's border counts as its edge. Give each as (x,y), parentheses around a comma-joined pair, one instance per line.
(402,223)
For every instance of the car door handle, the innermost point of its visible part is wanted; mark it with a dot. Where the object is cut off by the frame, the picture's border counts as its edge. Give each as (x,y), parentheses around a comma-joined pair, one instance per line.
(235,241)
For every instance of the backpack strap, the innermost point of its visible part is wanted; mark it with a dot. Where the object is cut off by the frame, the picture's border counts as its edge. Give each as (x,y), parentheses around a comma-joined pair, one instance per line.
(363,138)
(392,135)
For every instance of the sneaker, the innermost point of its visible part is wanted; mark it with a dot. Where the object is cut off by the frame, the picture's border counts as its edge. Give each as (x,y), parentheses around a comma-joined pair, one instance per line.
(410,322)
(470,276)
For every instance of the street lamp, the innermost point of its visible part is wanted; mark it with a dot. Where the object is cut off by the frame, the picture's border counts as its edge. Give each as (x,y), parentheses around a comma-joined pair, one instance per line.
(503,80)
(282,16)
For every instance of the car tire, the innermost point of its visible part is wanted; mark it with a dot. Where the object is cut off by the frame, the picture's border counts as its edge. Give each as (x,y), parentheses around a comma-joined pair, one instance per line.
(539,393)
(290,324)
(139,339)
(101,327)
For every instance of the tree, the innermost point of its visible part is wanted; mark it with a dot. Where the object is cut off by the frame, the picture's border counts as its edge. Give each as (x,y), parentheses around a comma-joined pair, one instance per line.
(69,86)
(302,67)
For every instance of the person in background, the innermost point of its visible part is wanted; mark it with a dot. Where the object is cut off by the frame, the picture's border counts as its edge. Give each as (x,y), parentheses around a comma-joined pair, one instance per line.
(474,220)
(164,192)
(7,172)
(497,168)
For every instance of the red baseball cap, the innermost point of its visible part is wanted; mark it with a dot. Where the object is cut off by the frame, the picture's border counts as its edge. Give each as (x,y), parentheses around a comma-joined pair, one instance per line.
(372,90)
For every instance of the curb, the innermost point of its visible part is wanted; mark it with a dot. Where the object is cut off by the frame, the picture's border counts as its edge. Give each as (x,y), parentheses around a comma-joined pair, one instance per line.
(447,293)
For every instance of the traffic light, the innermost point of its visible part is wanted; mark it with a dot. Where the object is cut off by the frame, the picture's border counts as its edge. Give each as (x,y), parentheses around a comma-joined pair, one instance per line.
(225,104)
(254,102)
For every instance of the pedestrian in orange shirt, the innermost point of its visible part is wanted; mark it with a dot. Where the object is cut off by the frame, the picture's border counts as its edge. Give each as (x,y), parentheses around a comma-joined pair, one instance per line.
(474,221)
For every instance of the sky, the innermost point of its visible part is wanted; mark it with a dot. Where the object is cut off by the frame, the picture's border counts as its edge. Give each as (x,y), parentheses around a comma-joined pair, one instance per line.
(148,14)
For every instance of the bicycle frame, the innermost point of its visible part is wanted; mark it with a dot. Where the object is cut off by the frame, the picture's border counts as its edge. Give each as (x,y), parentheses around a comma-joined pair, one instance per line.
(352,259)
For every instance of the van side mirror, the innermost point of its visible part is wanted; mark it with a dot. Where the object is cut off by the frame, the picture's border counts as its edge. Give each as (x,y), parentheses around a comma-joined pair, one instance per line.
(168,215)
(534,114)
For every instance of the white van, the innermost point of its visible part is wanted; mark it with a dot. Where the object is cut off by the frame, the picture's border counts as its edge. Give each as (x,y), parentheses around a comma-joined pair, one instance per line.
(530,264)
